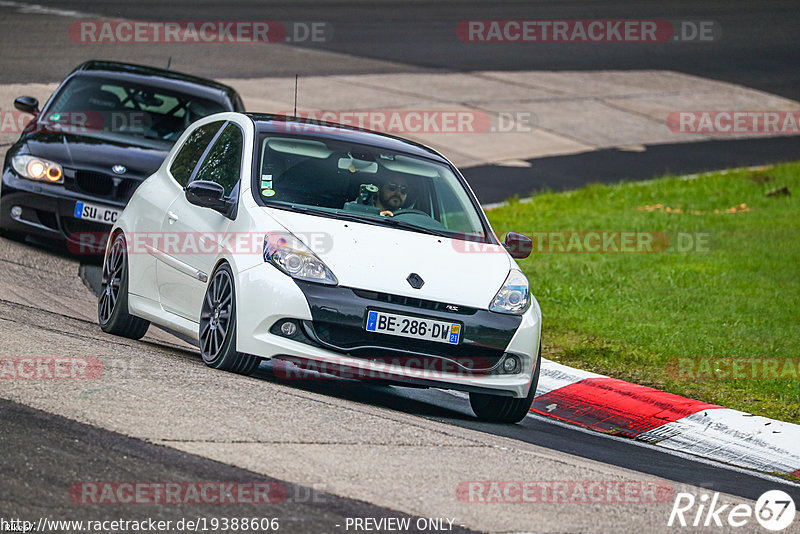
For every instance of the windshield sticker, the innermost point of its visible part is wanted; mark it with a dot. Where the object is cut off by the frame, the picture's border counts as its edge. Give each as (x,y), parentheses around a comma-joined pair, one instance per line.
(268,192)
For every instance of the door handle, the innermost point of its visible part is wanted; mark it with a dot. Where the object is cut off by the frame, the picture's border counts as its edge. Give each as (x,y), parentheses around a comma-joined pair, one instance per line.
(172,217)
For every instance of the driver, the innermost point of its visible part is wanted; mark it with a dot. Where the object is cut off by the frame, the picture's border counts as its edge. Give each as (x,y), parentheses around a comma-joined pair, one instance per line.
(391,196)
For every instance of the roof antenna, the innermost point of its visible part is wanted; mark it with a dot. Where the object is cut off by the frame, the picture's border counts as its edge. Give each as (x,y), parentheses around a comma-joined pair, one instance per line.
(295,95)
(169,62)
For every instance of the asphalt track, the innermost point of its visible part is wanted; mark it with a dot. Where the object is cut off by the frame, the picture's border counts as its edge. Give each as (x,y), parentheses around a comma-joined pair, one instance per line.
(558,173)
(758,46)
(56,452)
(448,408)
(440,405)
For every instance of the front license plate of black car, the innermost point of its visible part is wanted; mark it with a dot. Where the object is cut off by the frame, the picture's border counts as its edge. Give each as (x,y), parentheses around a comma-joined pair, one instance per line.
(95,212)
(413,327)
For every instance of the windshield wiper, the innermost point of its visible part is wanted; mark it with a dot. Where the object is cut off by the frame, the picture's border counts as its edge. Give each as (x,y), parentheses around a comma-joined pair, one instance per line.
(299,209)
(385,221)
(389,221)
(310,211)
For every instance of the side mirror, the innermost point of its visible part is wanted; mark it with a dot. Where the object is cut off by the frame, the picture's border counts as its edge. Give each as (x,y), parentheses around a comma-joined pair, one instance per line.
(518,245)
(208,195)
(27,104)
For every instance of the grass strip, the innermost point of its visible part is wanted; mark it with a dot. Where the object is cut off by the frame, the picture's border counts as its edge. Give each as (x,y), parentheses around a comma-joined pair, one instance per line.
(710,310)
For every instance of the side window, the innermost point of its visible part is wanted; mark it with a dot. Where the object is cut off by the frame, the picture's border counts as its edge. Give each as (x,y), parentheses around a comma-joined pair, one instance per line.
(223,163)
(192,150)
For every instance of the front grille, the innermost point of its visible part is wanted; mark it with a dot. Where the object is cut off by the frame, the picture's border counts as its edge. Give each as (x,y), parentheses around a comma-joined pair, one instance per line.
(102,185)
(94,183)
(414,302)
(85,237)
(126,188)
(339,315)
(75,226)
(370,345)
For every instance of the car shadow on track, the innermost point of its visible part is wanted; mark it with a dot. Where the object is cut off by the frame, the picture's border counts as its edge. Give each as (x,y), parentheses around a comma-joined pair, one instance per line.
(55,248)
(408,400)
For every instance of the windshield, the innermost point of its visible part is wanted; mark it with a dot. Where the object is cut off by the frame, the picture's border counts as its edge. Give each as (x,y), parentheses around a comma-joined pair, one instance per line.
(373,185)
(121,109)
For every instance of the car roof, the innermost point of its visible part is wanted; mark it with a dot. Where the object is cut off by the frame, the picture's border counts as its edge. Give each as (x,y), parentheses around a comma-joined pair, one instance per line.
(159,78)
(282,124)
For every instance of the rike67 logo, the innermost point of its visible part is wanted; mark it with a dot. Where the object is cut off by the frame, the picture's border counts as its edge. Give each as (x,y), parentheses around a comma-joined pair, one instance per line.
(774,510)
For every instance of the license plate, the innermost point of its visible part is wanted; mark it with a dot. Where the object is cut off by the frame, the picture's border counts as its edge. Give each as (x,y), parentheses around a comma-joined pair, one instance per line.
(413,327)
(93,212)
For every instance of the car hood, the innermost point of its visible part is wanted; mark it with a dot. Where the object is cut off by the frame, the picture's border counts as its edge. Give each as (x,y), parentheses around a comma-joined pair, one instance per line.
(97,153)
(380,259)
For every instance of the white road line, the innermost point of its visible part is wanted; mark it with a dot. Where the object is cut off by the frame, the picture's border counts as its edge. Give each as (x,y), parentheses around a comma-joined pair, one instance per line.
(671,452)
(683,455)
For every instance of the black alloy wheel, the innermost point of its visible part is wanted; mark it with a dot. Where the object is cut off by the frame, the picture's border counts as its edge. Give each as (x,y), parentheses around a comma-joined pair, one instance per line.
(112,305)
(218,326)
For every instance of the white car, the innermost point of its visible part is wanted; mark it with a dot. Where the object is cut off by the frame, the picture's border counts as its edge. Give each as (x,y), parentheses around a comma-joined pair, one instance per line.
(267,237)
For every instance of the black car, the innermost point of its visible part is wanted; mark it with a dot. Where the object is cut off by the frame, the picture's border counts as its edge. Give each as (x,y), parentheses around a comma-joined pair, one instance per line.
(105,129)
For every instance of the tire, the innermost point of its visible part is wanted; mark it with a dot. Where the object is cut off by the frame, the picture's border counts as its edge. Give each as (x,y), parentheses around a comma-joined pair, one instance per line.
(218,326)
(500,409)
(112,304)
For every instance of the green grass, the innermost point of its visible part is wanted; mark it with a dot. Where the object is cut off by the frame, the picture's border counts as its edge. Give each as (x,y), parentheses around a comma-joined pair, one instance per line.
(627,315)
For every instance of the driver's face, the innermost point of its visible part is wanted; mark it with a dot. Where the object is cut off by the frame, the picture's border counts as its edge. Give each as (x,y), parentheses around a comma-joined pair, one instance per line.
(393,194)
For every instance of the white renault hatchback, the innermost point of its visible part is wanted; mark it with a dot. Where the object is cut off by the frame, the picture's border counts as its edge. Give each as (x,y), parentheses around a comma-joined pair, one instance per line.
(267,237)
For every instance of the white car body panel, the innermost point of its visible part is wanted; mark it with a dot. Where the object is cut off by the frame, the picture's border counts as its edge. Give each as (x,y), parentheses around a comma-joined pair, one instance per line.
(167,287)
(380,258)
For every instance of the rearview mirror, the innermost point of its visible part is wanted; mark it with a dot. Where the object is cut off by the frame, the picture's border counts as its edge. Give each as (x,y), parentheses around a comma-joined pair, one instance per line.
(208,195)
(518,245)
(27,104)
(358,165)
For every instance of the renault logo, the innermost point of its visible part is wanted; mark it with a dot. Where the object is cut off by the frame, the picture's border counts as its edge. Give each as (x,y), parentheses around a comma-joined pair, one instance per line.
(415,280)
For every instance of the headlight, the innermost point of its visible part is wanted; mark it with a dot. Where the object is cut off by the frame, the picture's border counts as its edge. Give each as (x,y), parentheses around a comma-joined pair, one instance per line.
(34,168)
(291,256)
(514,296)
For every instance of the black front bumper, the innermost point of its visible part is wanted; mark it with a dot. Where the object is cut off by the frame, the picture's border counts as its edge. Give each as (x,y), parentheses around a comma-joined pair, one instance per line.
(340,315)
(48,212)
